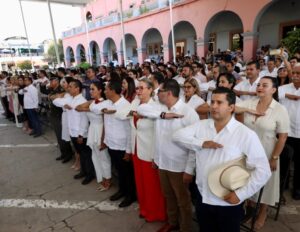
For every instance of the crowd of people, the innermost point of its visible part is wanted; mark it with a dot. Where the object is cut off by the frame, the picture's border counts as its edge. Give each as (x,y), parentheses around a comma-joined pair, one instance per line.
(207,133)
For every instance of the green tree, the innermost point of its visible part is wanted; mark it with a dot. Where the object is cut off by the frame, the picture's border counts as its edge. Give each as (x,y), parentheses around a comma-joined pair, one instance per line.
(292,41)
(51,55)
(25,65)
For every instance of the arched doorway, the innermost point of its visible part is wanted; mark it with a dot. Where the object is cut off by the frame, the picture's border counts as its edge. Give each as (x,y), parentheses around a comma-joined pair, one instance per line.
(224,31)
(184,36)
(152,43)
(131,48)
(70,57)
(275,20)
(110,50)
(80,53)
(95,53)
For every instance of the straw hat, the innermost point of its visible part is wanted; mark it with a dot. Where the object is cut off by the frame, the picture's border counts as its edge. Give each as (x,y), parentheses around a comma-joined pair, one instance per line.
(228,177)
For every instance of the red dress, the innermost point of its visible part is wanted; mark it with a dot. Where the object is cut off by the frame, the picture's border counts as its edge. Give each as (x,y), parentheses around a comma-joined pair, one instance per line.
(150,198)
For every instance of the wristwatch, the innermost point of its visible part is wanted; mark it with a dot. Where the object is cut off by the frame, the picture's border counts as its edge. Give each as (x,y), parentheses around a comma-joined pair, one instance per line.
(274,157)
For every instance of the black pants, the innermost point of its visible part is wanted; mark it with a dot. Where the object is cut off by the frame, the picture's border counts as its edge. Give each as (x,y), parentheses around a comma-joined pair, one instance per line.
(295,144)
(5,105)
(85,153)
(125,173)
(213,218)
(64,146)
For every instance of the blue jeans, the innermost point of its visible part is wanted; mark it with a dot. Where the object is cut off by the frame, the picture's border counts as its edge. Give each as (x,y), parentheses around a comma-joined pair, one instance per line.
(34,120)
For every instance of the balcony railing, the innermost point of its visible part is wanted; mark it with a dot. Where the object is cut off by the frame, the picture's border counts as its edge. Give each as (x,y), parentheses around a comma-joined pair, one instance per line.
(148,6)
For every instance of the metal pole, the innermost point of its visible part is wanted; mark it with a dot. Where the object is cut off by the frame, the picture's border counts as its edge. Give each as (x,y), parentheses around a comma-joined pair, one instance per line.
(123,34)
(172,31)
(53,33)
(88,39)
(26,34)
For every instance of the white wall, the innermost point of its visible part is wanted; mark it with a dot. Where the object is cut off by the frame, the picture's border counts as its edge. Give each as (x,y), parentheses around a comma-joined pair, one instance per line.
(222,25)
(184,31)
(269,25)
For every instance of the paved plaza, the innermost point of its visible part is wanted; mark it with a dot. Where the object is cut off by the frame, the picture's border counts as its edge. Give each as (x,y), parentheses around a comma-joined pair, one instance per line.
(38,193)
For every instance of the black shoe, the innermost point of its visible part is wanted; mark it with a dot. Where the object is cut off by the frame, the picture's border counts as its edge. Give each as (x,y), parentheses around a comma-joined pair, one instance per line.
(126,202)
(79,175)
(37,135)
(116,196)
(87,180)
(296,195)
(59,158)
(66,160)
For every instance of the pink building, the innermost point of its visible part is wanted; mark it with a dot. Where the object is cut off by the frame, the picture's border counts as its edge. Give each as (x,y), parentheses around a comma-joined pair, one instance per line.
(199,26)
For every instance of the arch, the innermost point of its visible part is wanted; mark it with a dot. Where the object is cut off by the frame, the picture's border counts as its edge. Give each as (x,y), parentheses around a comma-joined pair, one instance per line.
(89,16)
(80,53)
(110,50)
(184,36)
(131,48)
(276,18)
(70,57)
(95,53)
(152,43)
(224,31)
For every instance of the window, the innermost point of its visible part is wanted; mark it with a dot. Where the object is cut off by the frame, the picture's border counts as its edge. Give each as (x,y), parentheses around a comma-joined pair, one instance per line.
(154,49)
(212,42)
(285,28)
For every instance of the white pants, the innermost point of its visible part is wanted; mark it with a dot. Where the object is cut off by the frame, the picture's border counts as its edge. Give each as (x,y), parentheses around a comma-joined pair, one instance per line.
(102,163)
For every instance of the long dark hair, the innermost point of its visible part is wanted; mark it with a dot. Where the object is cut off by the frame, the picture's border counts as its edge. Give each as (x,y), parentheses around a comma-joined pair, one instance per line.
(130,92)
(274,85)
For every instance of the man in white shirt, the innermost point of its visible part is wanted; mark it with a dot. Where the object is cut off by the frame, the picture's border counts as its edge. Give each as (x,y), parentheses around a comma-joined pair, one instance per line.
(78,130)
(289,96)
(157,79)
(117,132)
(247,89)
(271,70)
(31,104)
(175,163)
(217,141)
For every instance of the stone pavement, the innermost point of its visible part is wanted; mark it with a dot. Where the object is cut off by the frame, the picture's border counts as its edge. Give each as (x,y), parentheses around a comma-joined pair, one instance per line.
(38,193)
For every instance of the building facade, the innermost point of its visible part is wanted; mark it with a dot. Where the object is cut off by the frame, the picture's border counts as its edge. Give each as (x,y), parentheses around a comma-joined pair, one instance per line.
(199,26)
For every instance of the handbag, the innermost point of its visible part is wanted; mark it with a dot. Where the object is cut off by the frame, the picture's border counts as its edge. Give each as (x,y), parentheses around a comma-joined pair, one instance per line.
(21,118)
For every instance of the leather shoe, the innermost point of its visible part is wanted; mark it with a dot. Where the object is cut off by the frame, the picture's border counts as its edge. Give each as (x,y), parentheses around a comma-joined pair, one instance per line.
(296,195)
(168,228)
(79,175)
(126,202)
(116,196)
(66,160)
(87,180)
(59,158)
(37,135)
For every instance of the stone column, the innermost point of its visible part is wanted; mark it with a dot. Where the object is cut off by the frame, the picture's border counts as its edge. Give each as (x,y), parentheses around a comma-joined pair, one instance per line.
(202,47)
(121,57)
(142,54)
(250,45)
(167,53)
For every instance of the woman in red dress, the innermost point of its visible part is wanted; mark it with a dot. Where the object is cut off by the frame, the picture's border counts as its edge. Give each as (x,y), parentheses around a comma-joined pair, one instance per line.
(150,198)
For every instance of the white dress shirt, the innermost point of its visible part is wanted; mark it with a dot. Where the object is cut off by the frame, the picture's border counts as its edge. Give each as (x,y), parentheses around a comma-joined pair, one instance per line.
(266,72)
(31,99)
(117,128)
(195,101)
(142,135)
(292,106)
(207,87)
(237,140)
(60,102)
(245,85)
(169,155)
(77,121)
